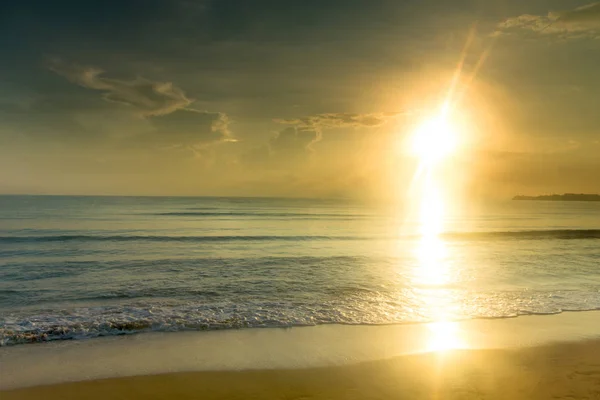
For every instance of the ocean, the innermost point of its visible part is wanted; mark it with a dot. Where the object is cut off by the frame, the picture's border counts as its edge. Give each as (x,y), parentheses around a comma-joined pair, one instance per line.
(78,267)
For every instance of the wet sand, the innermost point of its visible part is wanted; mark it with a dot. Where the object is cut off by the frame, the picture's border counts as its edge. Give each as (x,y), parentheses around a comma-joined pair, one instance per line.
(557,371)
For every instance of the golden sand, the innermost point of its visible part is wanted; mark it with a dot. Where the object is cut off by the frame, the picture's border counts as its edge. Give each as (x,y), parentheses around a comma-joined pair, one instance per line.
(561,371)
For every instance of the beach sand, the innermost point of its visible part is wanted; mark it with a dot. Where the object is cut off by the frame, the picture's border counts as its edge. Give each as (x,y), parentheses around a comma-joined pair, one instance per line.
(556,371)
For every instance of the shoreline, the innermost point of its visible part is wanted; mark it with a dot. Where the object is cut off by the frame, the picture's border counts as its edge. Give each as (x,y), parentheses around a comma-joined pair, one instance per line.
(563,370)
(324,346)
(127,333)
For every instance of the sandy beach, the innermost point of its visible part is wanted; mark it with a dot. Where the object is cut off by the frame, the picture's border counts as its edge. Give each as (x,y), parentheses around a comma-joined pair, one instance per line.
(535,357)
(559,371)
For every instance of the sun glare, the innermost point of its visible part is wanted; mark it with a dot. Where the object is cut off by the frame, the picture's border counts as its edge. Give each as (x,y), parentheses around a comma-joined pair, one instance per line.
(434,140)
(444,335)
(432,143)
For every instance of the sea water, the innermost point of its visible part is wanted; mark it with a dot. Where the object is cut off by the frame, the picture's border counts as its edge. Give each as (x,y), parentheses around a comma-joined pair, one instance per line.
(81,267)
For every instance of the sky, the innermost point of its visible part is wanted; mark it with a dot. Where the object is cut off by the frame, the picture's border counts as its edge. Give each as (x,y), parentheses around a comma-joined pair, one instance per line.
(296,98)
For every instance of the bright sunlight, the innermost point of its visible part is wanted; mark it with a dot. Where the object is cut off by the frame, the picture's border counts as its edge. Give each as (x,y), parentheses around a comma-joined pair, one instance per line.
(434,140)
(432,143)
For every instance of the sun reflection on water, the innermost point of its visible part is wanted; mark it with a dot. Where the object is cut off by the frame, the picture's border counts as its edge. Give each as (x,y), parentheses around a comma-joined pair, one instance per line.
(433,272)
(433,267)
(431,250)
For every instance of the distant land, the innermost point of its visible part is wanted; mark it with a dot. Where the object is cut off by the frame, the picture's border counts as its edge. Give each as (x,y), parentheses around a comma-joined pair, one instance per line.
(562,197)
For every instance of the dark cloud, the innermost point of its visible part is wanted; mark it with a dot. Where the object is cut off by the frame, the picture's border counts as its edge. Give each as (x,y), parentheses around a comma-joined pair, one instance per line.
(151,98)
(94,24)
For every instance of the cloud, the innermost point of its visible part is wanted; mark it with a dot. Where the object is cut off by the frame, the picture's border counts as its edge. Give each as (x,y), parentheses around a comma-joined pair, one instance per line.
(187,128)
(587,14)
(293,138)
(165,107)
(294,143)
(319,122)
(150,97)
(582,22)
(341,120)
(286,149)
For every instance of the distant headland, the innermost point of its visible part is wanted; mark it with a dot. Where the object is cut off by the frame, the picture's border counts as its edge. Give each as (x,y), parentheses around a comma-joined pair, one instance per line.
(562,197)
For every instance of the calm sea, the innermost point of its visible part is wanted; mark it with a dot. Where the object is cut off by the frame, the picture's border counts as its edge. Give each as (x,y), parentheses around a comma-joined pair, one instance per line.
(82,267)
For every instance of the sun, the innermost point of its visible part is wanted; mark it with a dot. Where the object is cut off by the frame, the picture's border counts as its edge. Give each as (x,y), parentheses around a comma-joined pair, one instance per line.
(434,140)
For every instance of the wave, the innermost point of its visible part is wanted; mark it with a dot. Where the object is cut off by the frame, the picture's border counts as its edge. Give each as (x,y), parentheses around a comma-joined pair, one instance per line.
(521,235)
(78,330)
(148,238)
(261,214)
(531,234)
